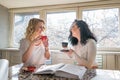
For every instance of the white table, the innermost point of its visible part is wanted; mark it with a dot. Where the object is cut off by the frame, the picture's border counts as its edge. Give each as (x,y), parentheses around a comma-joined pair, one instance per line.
(101,74)
(107,75)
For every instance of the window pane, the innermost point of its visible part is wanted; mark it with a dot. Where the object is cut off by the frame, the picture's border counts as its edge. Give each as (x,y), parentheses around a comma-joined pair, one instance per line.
(58,25)
(20,24)
(105,24)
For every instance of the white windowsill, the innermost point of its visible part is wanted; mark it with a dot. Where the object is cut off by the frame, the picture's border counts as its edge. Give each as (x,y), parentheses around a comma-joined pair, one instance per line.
(9,49)
(58,51)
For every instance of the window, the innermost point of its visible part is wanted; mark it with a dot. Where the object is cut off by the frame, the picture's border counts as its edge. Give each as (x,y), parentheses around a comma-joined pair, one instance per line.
(58,25)
(105,24)
(20,24)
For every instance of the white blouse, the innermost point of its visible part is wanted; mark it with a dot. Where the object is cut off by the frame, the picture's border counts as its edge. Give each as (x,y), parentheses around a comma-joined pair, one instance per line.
(37,58)
(87,51)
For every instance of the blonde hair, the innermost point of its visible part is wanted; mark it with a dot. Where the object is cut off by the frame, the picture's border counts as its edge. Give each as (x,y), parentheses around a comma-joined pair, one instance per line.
(31,27)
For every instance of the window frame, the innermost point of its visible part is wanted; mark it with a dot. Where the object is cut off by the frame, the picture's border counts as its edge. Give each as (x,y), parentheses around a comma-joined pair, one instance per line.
(102,7)
(60,11)
(12,17)
(79,7)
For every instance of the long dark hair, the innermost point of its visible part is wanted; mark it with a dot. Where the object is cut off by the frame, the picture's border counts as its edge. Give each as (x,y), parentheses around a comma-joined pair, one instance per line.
(84,32)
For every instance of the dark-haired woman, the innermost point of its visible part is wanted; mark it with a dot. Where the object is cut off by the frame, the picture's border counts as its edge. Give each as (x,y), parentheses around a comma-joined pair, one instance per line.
(83,44)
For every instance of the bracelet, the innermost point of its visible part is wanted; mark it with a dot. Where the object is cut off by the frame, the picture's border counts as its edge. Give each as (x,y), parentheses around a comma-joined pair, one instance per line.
(46,49)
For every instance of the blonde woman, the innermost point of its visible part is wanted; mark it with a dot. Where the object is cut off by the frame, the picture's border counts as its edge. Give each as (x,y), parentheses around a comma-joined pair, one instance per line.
(34,50)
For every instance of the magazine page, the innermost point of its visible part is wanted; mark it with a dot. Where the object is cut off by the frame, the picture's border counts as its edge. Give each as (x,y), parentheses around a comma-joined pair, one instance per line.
(49,69)
(71,71)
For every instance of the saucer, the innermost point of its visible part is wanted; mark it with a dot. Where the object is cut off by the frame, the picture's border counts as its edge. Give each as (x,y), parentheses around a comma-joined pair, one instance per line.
(64,50)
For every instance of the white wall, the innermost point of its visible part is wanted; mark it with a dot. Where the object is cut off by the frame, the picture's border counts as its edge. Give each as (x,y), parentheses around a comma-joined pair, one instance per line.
(4,27)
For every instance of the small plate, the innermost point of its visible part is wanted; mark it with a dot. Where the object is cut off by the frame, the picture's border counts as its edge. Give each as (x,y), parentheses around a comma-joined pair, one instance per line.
(64,50)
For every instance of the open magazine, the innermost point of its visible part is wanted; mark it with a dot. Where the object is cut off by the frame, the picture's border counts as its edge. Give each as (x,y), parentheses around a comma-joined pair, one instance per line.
(63,70)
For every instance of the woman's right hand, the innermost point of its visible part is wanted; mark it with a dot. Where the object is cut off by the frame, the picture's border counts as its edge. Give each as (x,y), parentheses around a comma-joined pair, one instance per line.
(36,42)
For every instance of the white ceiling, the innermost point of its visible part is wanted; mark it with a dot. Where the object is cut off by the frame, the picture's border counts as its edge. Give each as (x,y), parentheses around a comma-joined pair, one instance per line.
(32,3)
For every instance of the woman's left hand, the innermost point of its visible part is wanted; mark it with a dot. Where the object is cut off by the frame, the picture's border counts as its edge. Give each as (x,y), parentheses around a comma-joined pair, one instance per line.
(45,42)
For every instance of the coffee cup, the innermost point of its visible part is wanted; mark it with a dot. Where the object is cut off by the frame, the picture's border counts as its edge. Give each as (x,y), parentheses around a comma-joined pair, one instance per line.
(43,37)
(31,68)
(64,44)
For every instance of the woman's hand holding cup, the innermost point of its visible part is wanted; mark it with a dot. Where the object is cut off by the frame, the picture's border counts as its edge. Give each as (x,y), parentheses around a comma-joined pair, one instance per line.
(36,41)
(44,40)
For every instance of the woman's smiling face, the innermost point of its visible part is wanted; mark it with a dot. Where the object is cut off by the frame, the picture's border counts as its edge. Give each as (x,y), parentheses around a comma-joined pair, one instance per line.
(75,30)
(39,28)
